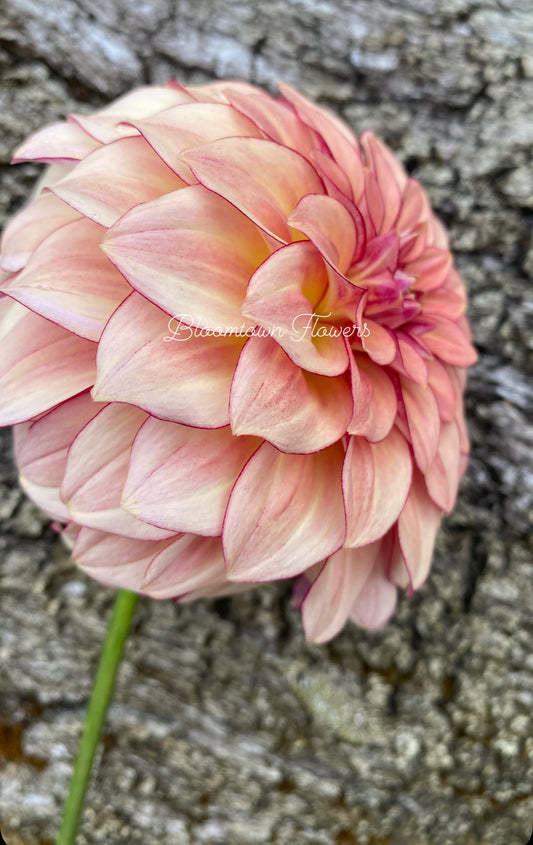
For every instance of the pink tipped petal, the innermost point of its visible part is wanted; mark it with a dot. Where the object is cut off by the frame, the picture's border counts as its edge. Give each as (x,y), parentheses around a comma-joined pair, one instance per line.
(423,421)
(285,514)
(180,477)
(431,269)
(41,445)
(184,127)
(31,226)
(449,342)
(373,416)
(96,471)
(413,365)
(46,498)
(380,343)
(376,602)
(59,142)
(69,281)
(272,398)
(188,564)
(341,142)
(165,247)
(276,120)
(417,528)
(443,389)
(41,364)
(442,479)
(329,602)
(115,560)
(149,359)
(372,504)
(262,179)
(89,189)
(329,226)
(281,298)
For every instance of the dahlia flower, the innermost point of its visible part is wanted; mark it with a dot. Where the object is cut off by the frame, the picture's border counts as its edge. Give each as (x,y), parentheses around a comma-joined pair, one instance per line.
(234,350)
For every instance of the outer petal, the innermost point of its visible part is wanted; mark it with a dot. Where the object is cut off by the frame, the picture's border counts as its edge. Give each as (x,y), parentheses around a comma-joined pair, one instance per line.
(341,142)
(41,448)
(115,560)
(272,398)
(188,564)
(59,142)
(69,281)
(29,227)
(329,225)
(417,527)
(449,342)
(41,365)
(443,477)
(180,478)
(329,602)
(372,503)
(192,254)
(380,343)
(276,119)
(147,359)
(376,602)
(90,190)
(285,513)
(375,404)
(282,296)
(423,421)
(185,127)
(96,470)
(262,179)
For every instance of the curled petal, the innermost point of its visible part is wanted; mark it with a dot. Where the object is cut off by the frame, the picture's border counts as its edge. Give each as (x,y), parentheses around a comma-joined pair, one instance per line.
(295,411)
(285,514)
(372,504)
(180,477)
(423,421)
(450,343)
(56,143)
(329,226)
(282,296)
(374,397)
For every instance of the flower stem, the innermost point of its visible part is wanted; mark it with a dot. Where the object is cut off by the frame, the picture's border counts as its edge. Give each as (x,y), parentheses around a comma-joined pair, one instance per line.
(117,632)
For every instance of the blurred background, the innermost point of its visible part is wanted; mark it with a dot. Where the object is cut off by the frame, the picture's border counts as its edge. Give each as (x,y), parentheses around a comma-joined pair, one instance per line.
(227,727)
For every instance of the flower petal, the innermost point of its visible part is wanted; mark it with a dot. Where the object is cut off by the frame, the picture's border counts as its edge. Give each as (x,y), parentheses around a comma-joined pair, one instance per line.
(376,602)
(449,342)
(423,421)
(59,142)
(442,479)
(185,127)
(417,527)
(41,365)
(29,227)
(374,415)
(329,602)
(188,564)
(147,359)
(192,254)
(295,411)
(180,477)
(285,513)
(90,190)
(281,297)
(96,470)
(372,504)
(379,343)
(69,281)
(329,226)
(262,179)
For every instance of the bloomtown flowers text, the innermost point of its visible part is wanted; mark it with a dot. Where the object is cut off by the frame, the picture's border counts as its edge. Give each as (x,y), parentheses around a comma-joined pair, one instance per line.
(184,328)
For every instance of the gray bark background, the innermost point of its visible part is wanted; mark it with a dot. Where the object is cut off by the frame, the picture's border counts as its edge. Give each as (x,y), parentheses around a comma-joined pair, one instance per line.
(226,726)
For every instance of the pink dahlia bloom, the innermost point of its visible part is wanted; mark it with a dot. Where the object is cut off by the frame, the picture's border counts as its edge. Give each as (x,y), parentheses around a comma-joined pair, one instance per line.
(234,350)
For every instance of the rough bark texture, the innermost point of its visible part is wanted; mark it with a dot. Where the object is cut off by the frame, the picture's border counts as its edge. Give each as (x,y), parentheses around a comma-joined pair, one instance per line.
(226,726)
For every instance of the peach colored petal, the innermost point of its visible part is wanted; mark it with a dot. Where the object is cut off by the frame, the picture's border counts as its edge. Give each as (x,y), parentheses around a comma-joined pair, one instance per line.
(285,513)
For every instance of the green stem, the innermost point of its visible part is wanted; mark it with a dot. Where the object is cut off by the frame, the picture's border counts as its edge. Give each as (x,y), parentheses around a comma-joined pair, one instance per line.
(117,632)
